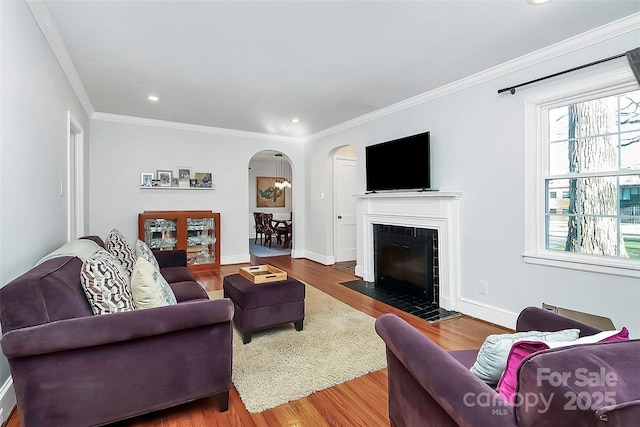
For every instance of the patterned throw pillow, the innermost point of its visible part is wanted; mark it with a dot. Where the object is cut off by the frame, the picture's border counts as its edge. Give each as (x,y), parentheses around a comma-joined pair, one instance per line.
(105,284)
(148,287)
(143,250)
(118,246)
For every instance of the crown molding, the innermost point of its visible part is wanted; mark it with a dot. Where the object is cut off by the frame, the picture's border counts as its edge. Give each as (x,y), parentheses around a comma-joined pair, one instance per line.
(589,38)
(108,117)
(43,18)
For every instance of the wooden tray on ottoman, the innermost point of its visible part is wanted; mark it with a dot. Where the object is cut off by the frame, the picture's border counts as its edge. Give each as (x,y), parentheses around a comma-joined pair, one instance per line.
(262,274)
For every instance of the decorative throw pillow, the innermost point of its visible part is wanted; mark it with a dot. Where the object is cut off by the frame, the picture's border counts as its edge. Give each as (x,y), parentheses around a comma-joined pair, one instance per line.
(143,250)
(521,349)
(492,356)
(105,284)
(148,287)
(117,245)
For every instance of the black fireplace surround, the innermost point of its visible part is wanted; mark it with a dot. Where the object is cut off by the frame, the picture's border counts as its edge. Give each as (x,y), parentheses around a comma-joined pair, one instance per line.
(405,271)
(406,257)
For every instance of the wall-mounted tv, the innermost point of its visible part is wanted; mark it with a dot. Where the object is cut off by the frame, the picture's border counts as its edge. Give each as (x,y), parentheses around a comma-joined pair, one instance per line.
(400,164)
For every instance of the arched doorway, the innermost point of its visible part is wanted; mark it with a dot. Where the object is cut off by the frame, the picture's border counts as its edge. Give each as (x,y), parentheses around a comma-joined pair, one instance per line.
(266,169)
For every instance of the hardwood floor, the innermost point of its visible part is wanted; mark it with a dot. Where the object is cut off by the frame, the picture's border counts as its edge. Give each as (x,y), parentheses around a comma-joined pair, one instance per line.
(359,402)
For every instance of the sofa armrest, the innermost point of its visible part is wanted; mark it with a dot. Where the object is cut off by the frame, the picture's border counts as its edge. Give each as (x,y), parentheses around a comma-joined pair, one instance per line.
(589,384)
(464,397)
(537,319)
(117,327)
(171,258)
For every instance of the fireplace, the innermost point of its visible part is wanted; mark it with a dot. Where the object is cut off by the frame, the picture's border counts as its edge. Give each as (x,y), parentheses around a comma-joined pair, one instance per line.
(435,211)
(407,257)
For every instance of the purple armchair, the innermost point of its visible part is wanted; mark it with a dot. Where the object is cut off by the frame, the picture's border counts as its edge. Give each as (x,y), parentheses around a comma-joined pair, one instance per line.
(73,368)
(431,387)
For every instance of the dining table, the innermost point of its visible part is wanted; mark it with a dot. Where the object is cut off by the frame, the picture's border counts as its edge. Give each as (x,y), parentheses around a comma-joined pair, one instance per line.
(282,228)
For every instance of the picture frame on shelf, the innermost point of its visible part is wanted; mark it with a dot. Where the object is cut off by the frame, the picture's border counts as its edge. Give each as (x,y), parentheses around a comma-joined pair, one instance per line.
(184,175)
(146,179)
(164,177)
(174,182)
(204,179)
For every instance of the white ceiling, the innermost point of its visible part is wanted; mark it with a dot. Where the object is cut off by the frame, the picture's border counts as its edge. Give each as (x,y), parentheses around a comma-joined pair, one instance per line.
(255,65)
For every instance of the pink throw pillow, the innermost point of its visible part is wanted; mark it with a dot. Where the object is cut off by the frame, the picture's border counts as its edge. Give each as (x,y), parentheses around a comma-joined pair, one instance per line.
(521,349)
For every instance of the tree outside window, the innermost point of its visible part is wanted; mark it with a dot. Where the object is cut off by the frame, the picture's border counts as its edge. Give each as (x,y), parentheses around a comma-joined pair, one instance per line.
(594,161)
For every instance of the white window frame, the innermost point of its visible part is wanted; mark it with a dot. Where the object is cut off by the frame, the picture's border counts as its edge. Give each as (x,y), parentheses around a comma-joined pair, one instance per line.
(536,163)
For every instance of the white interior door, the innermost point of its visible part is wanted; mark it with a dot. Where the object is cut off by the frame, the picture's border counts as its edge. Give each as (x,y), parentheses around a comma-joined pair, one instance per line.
(345,208)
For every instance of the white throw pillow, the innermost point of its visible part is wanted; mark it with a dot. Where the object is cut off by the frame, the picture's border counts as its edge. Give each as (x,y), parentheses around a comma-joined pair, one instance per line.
(148,287)
(105,284)
(492,357)
(143,250)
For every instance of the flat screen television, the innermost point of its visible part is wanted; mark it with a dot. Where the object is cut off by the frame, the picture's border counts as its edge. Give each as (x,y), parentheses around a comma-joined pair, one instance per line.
(400,164)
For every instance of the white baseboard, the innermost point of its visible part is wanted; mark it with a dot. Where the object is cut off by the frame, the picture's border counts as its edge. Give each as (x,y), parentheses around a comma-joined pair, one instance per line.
(235,259)
(487,312)
(322,259)
(297,254)
(359,271)
(7,400)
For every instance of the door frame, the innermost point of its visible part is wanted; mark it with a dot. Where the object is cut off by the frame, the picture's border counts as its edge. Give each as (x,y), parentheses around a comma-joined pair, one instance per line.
(75,178)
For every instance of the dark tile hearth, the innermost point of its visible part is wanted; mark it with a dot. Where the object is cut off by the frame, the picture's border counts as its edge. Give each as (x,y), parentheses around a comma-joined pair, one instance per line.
(402,299)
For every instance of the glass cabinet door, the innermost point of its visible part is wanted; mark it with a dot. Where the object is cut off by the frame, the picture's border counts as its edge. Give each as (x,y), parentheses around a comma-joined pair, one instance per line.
(160,233)
(201,241)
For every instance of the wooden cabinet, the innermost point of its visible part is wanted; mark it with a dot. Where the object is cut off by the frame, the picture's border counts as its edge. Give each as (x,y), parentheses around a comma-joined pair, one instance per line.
(196,232)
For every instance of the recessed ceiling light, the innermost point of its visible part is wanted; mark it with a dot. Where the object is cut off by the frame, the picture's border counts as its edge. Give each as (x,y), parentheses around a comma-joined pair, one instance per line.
(153,98)
(537,2)
(294,120)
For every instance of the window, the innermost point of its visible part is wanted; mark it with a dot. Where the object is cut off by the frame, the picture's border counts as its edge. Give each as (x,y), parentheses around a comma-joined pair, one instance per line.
(586,143)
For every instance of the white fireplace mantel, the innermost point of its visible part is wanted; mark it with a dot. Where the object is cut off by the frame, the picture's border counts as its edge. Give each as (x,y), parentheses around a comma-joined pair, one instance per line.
(430,209)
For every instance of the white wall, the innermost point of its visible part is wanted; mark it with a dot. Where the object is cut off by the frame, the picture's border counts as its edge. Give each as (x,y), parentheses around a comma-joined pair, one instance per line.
(121,151)
(477,147)
(33,145)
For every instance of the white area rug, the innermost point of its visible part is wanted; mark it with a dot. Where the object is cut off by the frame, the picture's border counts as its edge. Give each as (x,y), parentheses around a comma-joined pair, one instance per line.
(338,343)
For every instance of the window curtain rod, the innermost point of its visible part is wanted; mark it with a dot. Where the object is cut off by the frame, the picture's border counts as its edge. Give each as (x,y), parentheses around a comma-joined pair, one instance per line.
(634,61)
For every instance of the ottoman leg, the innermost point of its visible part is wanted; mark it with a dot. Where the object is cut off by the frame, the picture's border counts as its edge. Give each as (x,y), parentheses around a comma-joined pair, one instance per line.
(246,337)
(298,324)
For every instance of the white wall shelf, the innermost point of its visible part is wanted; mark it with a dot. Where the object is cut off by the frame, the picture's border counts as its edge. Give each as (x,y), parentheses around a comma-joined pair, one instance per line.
(176,188)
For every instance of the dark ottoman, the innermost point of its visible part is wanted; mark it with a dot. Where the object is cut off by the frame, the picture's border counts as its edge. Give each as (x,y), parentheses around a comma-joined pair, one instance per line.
(261,306)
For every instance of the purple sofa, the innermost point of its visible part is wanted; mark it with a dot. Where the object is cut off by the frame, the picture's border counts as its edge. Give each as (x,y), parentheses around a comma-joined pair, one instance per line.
(432,387)
(73,368)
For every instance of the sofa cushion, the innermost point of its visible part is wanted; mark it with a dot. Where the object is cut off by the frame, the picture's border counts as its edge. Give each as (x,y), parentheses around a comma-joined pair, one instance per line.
(117,245)
(492,356)
(148,288)
(188,290)
(522,349)
(177,274)
(106,284)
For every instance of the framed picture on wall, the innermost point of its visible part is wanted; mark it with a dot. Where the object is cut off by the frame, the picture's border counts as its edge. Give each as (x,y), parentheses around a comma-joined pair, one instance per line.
(164,177)
(267,194)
